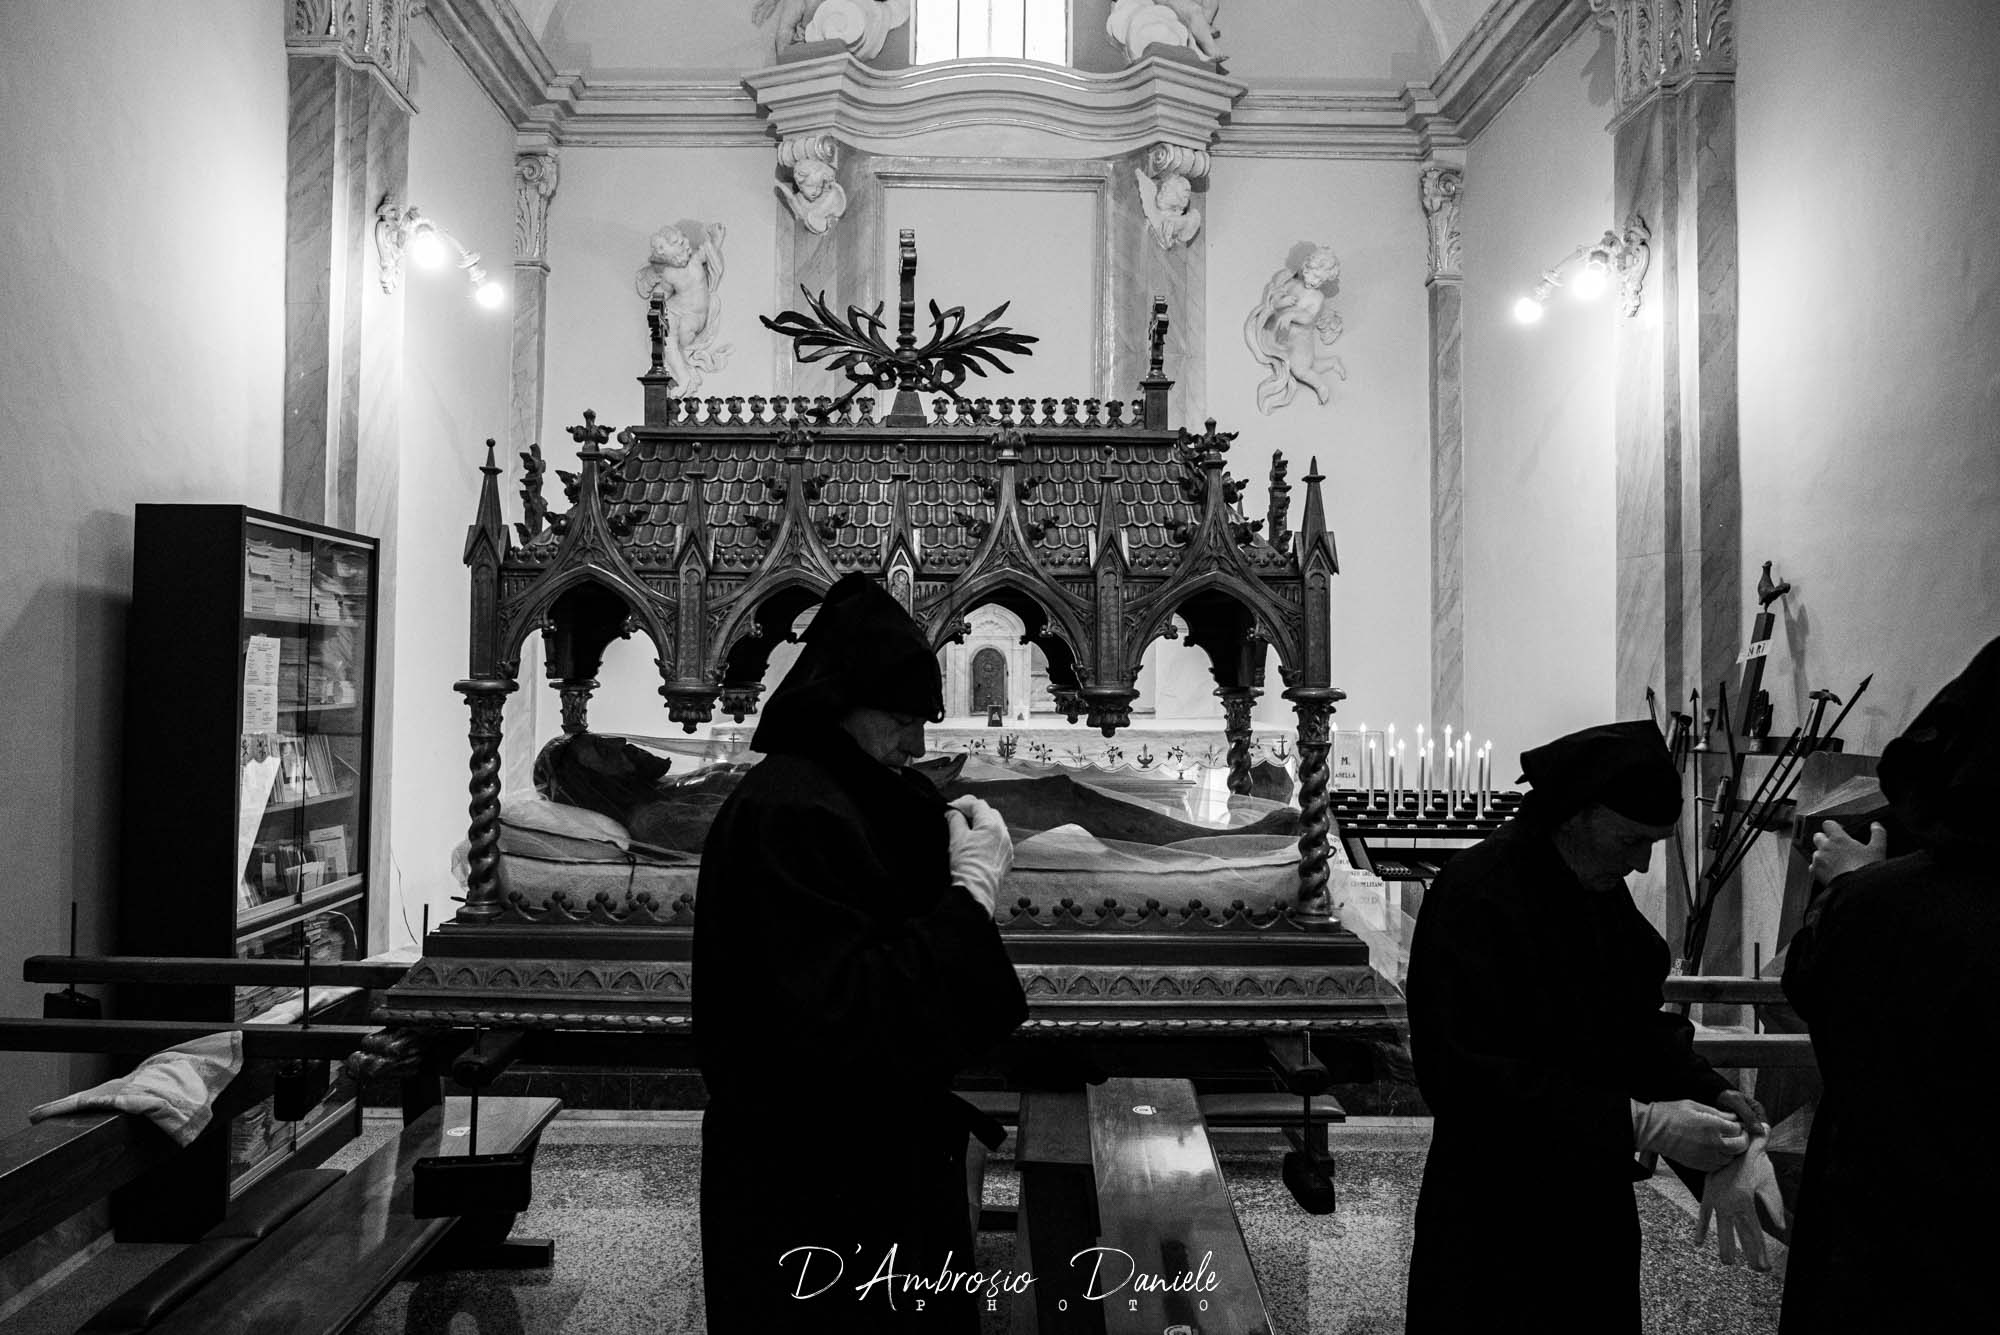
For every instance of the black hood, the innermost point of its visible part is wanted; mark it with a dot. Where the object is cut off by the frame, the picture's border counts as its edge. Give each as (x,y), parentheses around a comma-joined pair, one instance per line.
(861,649)
(1942,776)
(1624,766)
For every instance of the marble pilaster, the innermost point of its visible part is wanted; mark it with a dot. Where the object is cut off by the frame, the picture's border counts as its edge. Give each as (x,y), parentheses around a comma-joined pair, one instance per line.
(537,173)
(1440,184)
(1679,478)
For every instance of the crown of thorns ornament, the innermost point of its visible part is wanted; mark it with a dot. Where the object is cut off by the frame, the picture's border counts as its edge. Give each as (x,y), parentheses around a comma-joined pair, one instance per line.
(856,348)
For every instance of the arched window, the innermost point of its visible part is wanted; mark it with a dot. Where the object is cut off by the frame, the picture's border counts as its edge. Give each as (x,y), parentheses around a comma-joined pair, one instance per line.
(965,29)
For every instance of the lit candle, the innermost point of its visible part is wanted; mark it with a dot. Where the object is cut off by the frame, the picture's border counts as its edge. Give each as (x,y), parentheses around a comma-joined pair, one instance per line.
(1398,805)
(1450,768)
(1430,772)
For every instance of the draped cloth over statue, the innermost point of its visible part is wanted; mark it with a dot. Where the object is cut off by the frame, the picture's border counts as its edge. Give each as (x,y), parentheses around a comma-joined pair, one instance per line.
(1534,1019)
(840,982)
(1893,1224)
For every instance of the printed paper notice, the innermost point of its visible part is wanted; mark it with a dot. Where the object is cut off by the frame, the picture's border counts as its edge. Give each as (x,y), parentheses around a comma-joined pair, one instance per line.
(260,685)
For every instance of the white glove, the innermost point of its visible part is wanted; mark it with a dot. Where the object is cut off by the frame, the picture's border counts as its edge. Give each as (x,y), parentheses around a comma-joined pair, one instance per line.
(981,849)
(1689,1133)
(1731,1195)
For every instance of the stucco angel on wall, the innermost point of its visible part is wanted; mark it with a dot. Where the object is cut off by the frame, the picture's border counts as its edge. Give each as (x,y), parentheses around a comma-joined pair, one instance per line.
(689,277)
(1138,24)
(863,25)
(1171,217)
(816,198)
(1291,328)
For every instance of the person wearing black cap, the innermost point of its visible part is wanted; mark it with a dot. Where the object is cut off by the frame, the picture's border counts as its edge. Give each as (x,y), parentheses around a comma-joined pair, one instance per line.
(1543,1053)
(1894,1226)
(846,966)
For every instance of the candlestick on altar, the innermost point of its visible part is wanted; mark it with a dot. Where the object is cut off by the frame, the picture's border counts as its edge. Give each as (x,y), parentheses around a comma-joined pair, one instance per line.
(1400,773)
(1430,773)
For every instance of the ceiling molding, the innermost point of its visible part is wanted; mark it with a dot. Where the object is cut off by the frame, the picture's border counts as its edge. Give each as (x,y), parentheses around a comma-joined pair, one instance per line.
(1505,49)
(887,110)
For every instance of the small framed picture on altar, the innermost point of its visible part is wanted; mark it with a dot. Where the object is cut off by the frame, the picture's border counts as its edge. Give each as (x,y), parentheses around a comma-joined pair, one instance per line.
(1346,761)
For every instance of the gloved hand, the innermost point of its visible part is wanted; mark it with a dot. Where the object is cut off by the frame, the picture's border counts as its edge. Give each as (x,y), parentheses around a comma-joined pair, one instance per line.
(1689,1133)
(1836,852)
(981,850)
(1748,1112)
(1731,1196)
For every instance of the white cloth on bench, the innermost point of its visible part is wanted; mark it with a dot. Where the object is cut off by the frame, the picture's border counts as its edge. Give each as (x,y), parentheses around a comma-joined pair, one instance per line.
(175,1088)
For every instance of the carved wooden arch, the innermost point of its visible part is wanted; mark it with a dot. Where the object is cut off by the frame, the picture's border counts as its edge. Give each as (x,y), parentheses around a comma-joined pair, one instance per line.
(1058,623)
(1271,618)
(746,607)
(532,608)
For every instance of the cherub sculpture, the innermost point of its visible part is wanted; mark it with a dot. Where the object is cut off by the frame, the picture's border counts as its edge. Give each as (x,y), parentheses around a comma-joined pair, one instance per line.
(690,279)
(816,198)
(1287,331)
(1170,213)
(862,24)
(1138,24)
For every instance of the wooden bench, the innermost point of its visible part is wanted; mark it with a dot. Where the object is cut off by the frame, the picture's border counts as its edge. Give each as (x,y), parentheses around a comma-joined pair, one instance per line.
(62,1165)
(326,1265)
(1125,1219)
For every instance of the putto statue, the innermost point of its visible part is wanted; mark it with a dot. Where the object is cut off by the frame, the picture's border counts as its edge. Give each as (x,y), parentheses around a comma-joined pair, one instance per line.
(1292,326)
(815,198)
(689,277)
(1138,24)
(1170,213)
(863,25)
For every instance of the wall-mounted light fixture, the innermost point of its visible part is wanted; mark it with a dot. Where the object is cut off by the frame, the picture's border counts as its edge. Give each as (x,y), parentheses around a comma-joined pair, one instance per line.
(1624,256)
(402,230)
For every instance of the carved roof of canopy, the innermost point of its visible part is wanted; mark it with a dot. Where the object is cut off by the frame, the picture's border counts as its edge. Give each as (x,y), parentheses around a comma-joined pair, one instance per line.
(950,472)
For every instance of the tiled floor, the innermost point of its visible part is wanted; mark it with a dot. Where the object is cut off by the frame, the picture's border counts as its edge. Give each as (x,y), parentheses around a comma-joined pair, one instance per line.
(618,1195)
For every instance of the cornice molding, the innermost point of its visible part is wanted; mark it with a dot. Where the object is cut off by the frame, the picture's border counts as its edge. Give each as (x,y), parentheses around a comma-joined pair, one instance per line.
(1155,101)
(1505,49)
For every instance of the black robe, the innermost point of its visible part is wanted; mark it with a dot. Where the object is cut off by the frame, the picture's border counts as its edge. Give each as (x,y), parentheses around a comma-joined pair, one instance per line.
(1894,1225)
(1534,1019)
(840,981)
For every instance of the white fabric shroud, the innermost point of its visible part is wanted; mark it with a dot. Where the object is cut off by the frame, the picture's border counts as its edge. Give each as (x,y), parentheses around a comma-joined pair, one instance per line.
(175,1089)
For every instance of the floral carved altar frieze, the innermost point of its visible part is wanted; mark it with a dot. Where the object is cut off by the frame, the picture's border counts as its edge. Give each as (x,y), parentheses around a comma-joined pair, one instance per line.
(961,106)
(1666,43)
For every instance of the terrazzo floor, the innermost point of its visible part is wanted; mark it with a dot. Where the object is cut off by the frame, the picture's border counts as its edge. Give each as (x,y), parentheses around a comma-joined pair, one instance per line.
(618,1196)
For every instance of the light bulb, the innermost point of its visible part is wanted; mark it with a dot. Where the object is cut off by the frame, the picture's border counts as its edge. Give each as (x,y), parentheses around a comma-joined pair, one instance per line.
(489,294)
(1527,310)
(1589,284)
(427,249)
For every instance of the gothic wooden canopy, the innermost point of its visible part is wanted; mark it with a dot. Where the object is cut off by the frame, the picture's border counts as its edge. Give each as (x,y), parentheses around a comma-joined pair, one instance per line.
(714,523)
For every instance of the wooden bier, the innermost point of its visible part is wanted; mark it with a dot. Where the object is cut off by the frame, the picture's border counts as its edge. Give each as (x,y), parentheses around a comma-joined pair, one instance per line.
(713,524)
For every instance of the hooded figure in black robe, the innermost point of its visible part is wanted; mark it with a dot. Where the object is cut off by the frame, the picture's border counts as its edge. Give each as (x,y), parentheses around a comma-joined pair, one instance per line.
(841,978)
(1893,1227)
(1535,1026)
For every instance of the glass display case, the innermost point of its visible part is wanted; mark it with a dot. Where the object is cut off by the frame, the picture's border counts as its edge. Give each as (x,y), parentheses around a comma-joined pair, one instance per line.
(249,712)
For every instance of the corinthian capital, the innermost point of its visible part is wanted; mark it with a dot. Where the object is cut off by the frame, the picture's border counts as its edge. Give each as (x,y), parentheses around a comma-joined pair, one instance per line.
(536,174)
(1439,186)
(1668,43)
(369,32)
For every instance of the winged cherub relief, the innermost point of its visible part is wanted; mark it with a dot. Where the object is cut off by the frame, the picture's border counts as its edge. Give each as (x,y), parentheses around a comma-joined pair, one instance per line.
(689,277)
(1170,213)
(1292,326)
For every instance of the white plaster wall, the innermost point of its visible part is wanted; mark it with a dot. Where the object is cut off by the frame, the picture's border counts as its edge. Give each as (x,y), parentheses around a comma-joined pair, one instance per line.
(1372,439)
(1869,188)
(455,394)
(141,359)
(1540,572)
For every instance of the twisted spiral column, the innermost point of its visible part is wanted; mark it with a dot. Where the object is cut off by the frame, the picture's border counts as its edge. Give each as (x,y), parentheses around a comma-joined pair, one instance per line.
(1237,702)
(485,698)
(1315,711)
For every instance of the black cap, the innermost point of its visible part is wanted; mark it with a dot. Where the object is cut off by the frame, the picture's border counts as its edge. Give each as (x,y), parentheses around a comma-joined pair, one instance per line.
(1623,766)
(862,649)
